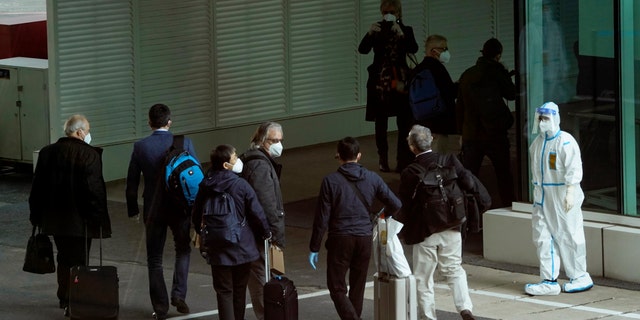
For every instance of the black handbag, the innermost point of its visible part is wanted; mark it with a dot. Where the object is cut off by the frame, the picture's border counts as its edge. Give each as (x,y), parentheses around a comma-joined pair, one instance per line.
(39,257)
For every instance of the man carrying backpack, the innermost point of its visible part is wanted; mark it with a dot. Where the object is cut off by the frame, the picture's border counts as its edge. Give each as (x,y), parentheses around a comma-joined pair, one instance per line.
(446,138)
(158,212)
(434,245)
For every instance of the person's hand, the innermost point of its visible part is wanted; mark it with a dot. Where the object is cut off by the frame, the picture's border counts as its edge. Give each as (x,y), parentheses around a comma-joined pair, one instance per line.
(396,28)
(375,27)
(135,218)
(313,259)
(267,236)
(569,198)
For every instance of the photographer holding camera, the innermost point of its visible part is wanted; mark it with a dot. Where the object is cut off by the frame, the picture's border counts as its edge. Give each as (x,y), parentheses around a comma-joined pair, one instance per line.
(387,94)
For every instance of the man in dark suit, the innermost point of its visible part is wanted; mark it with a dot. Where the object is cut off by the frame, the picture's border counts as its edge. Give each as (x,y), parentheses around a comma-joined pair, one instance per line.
(158,214)
(69,200)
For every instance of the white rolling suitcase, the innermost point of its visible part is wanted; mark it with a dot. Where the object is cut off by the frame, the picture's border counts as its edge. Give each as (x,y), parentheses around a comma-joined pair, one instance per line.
(395,298)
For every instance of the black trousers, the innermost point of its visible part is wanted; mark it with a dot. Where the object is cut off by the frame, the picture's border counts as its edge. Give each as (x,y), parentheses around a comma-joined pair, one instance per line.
(404,156)
(230,284)
(348,254)
(497,150)
(71,252)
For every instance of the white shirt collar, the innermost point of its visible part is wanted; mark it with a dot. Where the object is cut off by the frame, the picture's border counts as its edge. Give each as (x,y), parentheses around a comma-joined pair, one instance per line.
(421,153)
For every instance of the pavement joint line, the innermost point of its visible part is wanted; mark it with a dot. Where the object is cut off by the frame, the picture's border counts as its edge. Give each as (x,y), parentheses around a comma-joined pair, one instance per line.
(250,306)
(531,300)
(520,298)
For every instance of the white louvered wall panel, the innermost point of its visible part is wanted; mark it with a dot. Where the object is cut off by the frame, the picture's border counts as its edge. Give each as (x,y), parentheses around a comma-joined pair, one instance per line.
(94,61)
(175,66)
(224,63)
(250,55)
(323,59)
(414,15)
(505,32)
(467,24)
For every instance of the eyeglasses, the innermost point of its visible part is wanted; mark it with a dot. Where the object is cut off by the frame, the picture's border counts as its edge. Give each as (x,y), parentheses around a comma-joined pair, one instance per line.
(274,141)
(442,48)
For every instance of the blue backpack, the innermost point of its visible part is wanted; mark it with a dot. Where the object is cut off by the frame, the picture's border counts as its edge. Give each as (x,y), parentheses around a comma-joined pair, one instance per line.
(424,96)
(182,174)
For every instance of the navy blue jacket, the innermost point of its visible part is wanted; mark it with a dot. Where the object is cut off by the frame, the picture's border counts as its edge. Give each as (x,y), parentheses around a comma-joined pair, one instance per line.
(340,210)
(147,158)
(246,202)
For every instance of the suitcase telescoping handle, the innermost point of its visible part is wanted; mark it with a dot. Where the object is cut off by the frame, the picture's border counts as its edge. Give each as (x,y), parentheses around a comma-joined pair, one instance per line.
(86,247)
(267,271)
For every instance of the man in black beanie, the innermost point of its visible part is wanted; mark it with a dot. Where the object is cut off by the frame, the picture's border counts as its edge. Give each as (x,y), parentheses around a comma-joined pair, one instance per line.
(484,118)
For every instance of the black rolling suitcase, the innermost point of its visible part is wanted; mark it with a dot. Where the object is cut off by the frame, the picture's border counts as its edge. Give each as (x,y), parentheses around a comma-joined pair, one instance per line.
(280,294)
(93,291)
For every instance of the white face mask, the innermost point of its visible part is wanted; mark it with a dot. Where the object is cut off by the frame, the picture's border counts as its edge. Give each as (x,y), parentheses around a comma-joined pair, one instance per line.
(237,168)
(87,138)
(545,126)
(276,149)
(389,17)
(445,56)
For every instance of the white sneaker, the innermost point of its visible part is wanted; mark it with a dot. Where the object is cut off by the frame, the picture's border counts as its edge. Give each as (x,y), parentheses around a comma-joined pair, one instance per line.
(544,288)
(579,284)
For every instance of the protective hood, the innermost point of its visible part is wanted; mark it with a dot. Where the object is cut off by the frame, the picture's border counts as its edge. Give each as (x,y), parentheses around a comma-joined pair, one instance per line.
(219,180)
(352,170)
(549,109)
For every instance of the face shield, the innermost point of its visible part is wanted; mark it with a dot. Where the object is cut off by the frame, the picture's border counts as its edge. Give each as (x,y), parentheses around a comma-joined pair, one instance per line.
(551,111)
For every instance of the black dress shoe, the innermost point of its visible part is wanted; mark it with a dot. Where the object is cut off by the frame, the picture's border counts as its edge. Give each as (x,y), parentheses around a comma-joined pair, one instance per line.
(180,305)
(158,317)
(66,311)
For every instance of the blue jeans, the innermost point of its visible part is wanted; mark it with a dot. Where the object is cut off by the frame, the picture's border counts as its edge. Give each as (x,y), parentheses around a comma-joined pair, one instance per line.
(156,233)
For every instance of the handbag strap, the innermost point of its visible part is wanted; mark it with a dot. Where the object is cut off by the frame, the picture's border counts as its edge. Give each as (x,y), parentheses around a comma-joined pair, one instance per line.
(372,215)
(357,191)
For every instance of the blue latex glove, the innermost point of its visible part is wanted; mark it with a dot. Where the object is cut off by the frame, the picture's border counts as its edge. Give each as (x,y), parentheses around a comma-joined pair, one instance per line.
(313,259)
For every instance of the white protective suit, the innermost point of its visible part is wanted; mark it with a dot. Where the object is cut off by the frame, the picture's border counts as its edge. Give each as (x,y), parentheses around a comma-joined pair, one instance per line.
(556,169)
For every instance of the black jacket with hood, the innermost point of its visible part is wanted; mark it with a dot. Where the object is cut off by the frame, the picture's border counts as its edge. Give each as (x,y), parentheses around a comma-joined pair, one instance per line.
(246,204)
(340,210)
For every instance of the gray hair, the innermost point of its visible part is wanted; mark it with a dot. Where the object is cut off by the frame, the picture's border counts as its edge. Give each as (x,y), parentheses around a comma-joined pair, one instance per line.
(420,138)
(262,133)
(74,123)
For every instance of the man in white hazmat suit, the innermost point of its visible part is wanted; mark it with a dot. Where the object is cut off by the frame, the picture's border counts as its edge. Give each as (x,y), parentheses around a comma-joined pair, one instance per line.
(556,169)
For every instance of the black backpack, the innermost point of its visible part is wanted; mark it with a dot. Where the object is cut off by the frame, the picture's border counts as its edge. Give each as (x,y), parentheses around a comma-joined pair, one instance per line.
(221,224)
(437,199)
